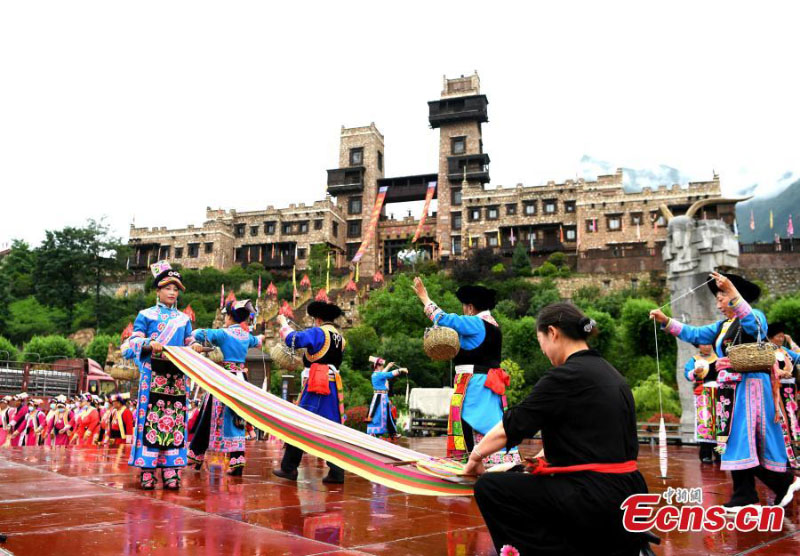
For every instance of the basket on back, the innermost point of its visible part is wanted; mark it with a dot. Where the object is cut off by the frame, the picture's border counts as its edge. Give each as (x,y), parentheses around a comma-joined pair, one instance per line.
(440,342)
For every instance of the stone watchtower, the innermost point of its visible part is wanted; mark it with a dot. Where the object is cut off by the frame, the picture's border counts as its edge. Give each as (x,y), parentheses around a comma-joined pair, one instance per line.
(458,115)
(354,184)
(693,249)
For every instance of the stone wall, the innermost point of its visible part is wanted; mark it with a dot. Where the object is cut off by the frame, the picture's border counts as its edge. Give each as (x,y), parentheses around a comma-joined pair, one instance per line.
(607,283)
(779,281)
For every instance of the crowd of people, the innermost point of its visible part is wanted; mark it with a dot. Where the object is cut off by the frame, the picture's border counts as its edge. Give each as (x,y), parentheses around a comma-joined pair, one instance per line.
(566,500)
(84,419)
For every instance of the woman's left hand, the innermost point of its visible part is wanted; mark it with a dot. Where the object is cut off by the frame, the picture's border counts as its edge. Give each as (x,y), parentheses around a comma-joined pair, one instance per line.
(725,285)
(474,467)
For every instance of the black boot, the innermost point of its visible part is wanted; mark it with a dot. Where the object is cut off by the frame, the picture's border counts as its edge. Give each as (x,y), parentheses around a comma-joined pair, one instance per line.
(744,490)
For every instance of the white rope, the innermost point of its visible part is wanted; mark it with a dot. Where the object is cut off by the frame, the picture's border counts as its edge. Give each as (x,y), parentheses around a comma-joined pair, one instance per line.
(687,293)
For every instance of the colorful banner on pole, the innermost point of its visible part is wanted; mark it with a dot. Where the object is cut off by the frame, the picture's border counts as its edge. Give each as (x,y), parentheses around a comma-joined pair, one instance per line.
(373,223)
(428,197)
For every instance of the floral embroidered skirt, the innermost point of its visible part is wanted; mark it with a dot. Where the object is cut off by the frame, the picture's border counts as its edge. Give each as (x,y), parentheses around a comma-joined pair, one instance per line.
(160,433)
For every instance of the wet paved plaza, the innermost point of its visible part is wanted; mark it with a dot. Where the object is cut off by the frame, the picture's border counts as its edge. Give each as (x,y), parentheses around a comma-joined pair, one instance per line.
(87,501)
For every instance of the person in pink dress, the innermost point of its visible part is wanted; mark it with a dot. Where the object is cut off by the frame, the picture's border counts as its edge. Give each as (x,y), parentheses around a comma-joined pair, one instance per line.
(4,420)
(37,420)
(19,421)
(63,423)
(87,422)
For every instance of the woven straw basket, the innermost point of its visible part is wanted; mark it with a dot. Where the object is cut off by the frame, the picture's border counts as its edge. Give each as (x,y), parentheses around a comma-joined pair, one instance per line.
(216,356)
(286,357)
(752,357)
(440,343)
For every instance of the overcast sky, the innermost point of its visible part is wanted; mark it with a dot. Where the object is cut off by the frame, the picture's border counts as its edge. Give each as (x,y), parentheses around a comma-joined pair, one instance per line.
(155,110)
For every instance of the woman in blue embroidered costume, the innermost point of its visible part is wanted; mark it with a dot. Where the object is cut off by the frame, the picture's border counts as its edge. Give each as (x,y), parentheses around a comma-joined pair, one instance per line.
(751,439)
(219,429)
(160,433)
(787,359)
(479,399)
(381,420)
(322,386)
(701,370)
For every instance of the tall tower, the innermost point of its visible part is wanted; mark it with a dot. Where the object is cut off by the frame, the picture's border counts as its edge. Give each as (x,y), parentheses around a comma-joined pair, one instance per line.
(354,184)
(458,114)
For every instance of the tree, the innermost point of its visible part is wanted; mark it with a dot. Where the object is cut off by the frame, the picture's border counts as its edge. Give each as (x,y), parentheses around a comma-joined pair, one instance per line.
(362,341)
(517,389)
(8,351)
(49,348)
(28,317)
(605,341)
(98,348)
(476,266)
(646,398)
(520,261)
(787,311)
(16,270)
(558,259)
(318,261)
(397,309)
(62,265)
(105,260)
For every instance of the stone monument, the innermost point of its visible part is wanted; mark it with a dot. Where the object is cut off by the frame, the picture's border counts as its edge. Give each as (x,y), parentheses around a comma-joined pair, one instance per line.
(693,249)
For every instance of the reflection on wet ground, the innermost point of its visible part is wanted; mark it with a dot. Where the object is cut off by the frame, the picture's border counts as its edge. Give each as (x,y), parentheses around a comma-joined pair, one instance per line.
(87,501)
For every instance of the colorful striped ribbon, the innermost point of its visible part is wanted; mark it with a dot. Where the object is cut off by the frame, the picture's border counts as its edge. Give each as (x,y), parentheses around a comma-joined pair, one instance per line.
(371,458)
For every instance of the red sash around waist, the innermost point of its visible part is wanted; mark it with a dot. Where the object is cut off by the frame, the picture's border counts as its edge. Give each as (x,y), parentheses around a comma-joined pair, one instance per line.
(540,467)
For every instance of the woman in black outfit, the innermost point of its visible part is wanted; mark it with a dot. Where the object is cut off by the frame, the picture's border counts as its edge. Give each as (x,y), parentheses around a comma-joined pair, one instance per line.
(586,413)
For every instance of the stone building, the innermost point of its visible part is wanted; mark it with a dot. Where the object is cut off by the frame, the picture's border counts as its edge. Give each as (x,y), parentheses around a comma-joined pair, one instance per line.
(597,223)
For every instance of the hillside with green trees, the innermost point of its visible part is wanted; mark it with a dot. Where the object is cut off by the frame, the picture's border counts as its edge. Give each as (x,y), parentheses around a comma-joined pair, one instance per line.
(50,291)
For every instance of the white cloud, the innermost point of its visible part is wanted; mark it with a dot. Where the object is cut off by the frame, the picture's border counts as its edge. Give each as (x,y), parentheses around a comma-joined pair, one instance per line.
(156,110)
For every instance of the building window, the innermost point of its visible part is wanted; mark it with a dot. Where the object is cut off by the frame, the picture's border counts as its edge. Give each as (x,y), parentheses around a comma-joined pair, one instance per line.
(636,218)
(208,248)
(474,214)
(352,249)
(194,250)
(354,205)
(239,230)
(456,240)
(357,156)
(455,196)
(614,223)
(253,230)
(380,161)
(335,229)
(163,253)
(179,252)
(570,234)
(569,206)
(550,206)
(491,240)
(591,225)
(530,208)
(269,228)
(458,145)
(455,220)
(286,228)
(354,228)
(238,254)
(658,218)
(492,213)
(318,224)
(511,209)
(304,227)
(301,253)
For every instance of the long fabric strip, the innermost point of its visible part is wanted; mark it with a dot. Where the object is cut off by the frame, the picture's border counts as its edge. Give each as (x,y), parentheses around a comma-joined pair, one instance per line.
(374,459)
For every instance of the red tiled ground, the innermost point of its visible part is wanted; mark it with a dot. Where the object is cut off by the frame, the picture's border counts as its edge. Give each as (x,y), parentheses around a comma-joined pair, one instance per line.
(86,501)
